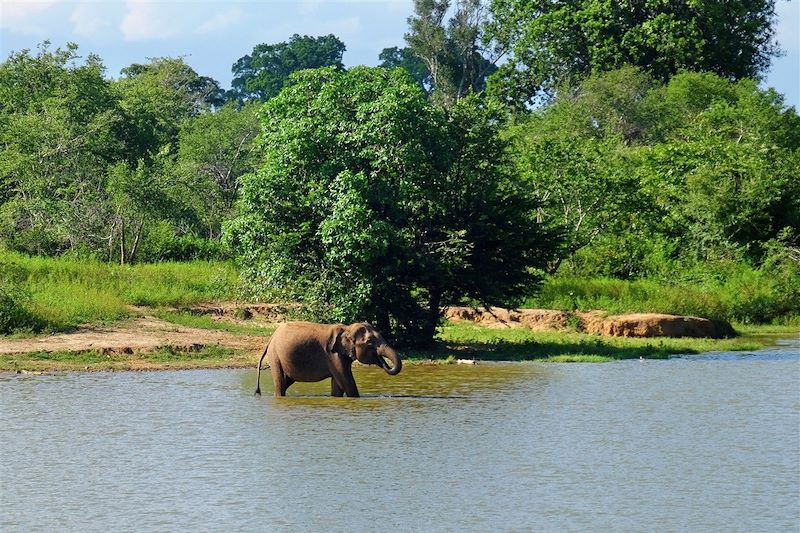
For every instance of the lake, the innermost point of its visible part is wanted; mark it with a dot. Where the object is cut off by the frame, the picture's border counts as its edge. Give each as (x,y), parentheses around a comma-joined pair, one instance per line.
(702,443)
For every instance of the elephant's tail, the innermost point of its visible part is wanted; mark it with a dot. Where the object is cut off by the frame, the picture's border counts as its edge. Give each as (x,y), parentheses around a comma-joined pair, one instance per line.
(258,375)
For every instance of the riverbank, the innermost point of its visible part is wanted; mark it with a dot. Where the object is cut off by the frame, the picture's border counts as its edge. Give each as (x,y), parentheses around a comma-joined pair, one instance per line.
(211,347)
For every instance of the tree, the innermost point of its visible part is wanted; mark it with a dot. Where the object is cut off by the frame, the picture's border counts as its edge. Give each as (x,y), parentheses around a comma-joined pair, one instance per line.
(575,156)
(58,124)
(455,53)
(372,203)
(552,43)
(643,176)
(215,149)
(265,71)
(725,176)
(395,57)
(156,98)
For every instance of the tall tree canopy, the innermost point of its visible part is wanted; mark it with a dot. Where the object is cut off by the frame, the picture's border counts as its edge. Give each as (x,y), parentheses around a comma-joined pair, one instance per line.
(455,51)
(642,174)
(88,164)
(262,74)
(372,203)
(554,41)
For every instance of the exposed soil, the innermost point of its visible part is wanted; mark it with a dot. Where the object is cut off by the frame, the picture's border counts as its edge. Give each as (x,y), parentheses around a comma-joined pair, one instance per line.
(597,322)
(143,334)
(148,334)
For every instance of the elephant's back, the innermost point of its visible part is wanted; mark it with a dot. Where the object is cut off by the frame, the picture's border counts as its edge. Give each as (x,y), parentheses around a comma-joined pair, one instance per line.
(299,347)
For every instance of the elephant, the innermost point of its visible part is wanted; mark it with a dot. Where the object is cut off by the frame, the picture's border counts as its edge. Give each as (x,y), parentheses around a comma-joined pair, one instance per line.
(306,351)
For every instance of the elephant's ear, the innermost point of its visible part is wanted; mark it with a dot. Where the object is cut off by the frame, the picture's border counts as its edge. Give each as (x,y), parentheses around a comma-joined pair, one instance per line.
(340,343)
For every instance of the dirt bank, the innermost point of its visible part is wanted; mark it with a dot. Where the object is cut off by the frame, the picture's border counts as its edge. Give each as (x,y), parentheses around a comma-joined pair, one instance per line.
(143,334)
(597,322)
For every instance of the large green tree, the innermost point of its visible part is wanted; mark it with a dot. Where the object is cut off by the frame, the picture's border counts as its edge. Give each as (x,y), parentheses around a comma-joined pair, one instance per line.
(372,203)
(59,126)
(642,175)
(88,164)
(553,42)
(262,74)
(214,150)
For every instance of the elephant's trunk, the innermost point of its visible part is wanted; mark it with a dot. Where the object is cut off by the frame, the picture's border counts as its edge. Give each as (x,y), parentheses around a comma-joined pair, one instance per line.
(388,353)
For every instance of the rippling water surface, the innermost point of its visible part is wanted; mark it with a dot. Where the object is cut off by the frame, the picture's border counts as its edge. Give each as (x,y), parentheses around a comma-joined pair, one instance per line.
(706,443)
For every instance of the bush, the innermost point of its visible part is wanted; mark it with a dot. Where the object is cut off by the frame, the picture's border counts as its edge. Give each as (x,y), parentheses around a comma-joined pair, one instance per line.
(14,313)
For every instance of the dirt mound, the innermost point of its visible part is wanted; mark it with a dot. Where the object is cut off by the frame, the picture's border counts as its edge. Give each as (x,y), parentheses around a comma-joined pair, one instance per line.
(656,325)
(630,325)
(497,317)
(144,334)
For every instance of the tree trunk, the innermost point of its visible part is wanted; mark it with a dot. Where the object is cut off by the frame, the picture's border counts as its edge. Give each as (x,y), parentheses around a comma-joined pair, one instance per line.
(136,241)
(432,318)
(121,241)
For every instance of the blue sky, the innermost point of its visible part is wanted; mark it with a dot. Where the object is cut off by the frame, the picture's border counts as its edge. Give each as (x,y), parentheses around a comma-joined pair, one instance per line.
(212,35)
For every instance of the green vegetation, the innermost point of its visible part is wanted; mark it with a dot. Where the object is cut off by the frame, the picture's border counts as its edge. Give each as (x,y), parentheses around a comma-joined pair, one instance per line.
(467,341)
(56,294)
(654,175)
(550,43)
(448,221)
(168,358)
(746,296)
(264,72)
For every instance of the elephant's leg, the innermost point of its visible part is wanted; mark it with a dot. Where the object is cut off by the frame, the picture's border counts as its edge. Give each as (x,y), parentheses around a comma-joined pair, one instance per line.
(342,376)
(280,380)
(350,383)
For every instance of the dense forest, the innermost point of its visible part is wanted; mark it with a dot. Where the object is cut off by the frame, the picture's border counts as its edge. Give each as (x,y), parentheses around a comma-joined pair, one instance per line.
(506,143)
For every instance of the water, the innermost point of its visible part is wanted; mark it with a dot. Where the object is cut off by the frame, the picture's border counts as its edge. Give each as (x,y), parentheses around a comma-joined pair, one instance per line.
(691,444)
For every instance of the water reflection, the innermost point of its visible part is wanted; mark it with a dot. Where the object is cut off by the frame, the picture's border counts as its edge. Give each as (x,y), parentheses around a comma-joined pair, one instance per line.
(424,381)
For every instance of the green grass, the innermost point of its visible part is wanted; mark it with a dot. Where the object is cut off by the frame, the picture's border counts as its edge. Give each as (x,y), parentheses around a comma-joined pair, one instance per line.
(166,358)
(62,293)
(468,341)
(747,296)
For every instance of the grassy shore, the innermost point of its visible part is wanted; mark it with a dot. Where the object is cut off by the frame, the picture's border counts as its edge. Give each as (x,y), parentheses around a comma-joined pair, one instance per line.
(95,361)
(457,341)
(44,295)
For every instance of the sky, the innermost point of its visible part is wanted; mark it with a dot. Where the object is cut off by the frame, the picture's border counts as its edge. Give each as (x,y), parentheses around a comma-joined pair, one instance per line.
(211,35)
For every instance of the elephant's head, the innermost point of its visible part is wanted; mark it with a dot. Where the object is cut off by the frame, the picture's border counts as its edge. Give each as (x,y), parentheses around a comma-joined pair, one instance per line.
(362,342)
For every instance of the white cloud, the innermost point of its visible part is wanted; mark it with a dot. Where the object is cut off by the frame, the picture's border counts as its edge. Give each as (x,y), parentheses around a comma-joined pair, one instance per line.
(221,21)
(87,20)
(144,21)
(21,17)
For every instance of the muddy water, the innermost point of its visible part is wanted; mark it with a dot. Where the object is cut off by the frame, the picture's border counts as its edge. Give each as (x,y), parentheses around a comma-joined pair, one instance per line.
(694,444)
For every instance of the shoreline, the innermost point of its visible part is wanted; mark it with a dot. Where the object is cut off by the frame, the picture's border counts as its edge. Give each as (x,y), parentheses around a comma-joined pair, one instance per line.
(534,347)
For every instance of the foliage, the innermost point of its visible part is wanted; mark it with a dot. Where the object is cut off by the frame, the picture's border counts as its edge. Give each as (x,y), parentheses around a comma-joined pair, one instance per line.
(88,164)
(454,52)
(374,204)
(156,98)
(734,291)
(262,74)
(215,149)
(648,178)
(557,42)
(395,57)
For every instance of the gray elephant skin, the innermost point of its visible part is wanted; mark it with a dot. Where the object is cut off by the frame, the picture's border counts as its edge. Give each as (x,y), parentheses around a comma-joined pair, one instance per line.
(305,351)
